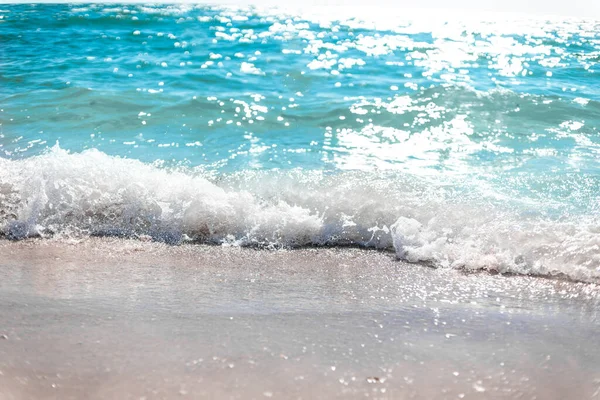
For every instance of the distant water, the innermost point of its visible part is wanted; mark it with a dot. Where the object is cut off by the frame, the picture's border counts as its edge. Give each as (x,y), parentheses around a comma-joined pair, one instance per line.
(466,142)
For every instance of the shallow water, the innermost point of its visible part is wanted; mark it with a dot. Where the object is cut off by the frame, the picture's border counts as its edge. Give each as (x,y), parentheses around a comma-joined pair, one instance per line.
(108,318)
(466,142)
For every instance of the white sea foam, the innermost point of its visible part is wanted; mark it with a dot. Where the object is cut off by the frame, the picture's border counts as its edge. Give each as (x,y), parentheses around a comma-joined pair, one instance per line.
(63,194)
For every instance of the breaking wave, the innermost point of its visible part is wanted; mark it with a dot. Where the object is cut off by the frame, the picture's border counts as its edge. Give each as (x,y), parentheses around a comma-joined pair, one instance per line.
(63,195)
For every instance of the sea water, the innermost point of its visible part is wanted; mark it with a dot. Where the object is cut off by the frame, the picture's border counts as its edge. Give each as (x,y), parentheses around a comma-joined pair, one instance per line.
(460,141)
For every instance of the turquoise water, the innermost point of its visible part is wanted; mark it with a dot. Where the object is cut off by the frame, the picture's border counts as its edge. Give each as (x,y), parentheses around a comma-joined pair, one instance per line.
(462,141)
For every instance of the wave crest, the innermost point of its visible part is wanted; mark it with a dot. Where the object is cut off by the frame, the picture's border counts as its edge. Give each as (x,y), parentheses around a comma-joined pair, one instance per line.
(62,194)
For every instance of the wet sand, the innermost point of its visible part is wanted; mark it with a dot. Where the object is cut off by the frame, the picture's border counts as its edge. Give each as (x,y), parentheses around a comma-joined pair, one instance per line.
(118,319)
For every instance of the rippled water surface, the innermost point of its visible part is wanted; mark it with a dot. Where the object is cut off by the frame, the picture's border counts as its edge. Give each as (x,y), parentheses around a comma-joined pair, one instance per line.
(260,88)
(465,141)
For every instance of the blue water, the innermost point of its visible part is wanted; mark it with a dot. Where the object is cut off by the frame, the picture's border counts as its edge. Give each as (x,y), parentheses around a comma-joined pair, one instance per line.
(463,141)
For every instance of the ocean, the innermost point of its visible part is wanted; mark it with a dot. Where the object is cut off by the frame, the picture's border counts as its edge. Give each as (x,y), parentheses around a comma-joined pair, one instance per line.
(467,142)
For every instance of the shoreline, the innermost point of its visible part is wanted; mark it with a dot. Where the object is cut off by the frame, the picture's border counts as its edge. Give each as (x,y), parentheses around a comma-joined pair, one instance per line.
(127,244)
(125,319)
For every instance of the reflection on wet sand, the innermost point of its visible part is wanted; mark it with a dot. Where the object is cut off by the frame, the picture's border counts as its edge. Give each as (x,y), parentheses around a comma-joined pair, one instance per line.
(106,318)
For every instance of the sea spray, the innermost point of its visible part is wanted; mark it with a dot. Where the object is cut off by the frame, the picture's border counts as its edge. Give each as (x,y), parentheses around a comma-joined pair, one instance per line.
(62,194)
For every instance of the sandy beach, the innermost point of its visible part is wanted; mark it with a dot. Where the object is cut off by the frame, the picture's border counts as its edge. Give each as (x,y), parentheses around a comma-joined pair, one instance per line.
(110,318)
(256,199)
